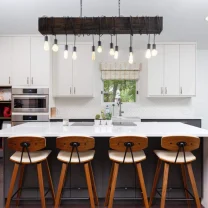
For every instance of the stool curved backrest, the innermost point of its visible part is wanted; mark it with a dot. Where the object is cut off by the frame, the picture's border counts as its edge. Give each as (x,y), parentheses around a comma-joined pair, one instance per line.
(26,143)
(173,143)
(120,143)
(66,143)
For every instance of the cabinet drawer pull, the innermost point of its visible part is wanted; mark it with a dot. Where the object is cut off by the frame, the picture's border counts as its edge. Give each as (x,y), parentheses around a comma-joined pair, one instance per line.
(9,80)
(181,90)
(27,80)
(74,90)
(162,90)
(166,91)
(32,80)
(70,90)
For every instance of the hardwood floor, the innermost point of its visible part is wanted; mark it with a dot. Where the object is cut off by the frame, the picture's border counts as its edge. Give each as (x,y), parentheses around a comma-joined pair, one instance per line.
(117,204)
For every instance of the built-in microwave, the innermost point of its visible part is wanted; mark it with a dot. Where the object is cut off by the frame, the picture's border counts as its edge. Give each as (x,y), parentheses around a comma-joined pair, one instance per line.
(30,100)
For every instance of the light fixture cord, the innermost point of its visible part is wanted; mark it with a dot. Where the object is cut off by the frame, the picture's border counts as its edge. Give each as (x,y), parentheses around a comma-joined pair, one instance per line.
(66,39)
(80,8)
(154,38)
(131,40)
(116,39)
(93,39)
(149,39)
(74,39)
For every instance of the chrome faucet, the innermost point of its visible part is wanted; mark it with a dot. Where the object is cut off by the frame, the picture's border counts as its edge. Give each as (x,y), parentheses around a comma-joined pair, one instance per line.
(119,104)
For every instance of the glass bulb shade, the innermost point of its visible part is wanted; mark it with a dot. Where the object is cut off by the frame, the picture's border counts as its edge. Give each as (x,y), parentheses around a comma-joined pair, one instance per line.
(74,54)
(111,52)
(55,46)
(99,49)
(131,58)
(154,50)
(93,56)
(116,55)
(148,54)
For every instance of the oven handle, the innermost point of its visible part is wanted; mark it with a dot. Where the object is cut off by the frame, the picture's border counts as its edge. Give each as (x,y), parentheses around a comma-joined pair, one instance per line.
(28,97)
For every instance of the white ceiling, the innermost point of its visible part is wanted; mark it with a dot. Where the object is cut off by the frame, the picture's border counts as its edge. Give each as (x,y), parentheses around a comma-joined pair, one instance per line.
(184,20)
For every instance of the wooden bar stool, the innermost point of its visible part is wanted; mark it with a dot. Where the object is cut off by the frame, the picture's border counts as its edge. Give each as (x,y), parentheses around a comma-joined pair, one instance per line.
(28,151)
(179,153)
(126,149)
(75,150)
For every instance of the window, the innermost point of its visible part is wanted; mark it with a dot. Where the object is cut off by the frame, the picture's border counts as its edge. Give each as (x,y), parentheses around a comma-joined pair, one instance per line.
(124,89)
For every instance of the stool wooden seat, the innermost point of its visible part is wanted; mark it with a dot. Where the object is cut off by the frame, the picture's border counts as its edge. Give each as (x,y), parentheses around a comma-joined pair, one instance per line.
(76,150)
(126,149)
(28,151)
(178,151)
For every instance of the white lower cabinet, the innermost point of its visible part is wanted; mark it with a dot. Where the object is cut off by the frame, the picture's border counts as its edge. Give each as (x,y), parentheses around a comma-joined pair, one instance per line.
(172,73)
(73,78)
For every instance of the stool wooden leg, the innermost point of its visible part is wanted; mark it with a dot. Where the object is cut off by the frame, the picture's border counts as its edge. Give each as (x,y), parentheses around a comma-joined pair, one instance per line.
(109,186)
(165,184)
(50,182)
(20,183)
(12,183)
(142,184)
(113,184)
(193,184)
(183,171)
(89,184)
(93,185)
(61,183)
(41,185)
(154,186)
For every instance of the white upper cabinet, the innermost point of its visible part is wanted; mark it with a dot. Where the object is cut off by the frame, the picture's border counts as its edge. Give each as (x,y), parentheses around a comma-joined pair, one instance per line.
(155,73)
(40,63)
(173,71)
(5,60)
(83,72)
(62,73)
(188,70)
(20,61)
(73,78)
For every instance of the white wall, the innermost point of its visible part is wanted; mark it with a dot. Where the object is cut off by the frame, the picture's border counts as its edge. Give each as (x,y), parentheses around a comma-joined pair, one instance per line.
(144,107)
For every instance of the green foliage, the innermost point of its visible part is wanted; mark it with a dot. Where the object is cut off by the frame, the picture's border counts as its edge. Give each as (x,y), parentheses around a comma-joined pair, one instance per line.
(103,115)
(108,116)
(127,89)
(97,117)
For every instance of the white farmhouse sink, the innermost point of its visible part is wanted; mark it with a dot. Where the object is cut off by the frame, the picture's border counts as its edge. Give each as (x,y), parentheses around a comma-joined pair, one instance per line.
(125,119)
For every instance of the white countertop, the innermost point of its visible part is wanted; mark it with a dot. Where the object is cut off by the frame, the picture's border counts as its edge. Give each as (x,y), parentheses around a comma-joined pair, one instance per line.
(149,129)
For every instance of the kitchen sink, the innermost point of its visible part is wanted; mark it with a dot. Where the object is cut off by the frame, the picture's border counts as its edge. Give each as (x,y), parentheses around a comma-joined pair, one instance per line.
(124,124)
(83,124)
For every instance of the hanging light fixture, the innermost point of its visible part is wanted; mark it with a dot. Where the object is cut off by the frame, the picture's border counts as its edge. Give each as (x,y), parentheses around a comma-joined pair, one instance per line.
(46,44)
(154,49)
(74,53)
(116,50)
(148,51)
(131,57)
(99,49)
(93,49)
(111,52)
(55,45)
(66,52)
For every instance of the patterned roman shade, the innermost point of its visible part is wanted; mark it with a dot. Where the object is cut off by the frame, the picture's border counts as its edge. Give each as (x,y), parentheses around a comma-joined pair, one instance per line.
(120,71)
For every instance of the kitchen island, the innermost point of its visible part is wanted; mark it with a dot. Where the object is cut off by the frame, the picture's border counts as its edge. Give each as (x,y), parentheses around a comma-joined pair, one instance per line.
(127,183)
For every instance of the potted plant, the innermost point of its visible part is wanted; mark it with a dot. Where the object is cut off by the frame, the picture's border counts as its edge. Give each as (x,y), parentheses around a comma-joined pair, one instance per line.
(97,119)
(103,120)
(108,118)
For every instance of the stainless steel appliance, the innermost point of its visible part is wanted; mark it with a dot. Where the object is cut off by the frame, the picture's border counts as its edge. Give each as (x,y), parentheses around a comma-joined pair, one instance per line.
(30,100)
(25,117)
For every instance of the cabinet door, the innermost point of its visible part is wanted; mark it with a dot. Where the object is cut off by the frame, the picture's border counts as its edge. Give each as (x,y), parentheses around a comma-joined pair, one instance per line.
(62,73)
(188,70)
(5,59)
(20,61)
(40,63)
(155,73)
(83,72)
(171,72)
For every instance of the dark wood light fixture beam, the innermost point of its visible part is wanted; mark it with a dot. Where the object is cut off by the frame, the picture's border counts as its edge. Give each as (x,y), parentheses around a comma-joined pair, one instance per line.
(108,25)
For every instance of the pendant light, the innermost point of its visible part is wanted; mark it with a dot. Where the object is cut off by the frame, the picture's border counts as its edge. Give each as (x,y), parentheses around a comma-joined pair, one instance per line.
(55,45)
(154,50)
(116,50)
(131,57)
(148,51)
(46,44)
(66,52)
(99,49)
(74,53)
(111,52)
(93,49)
